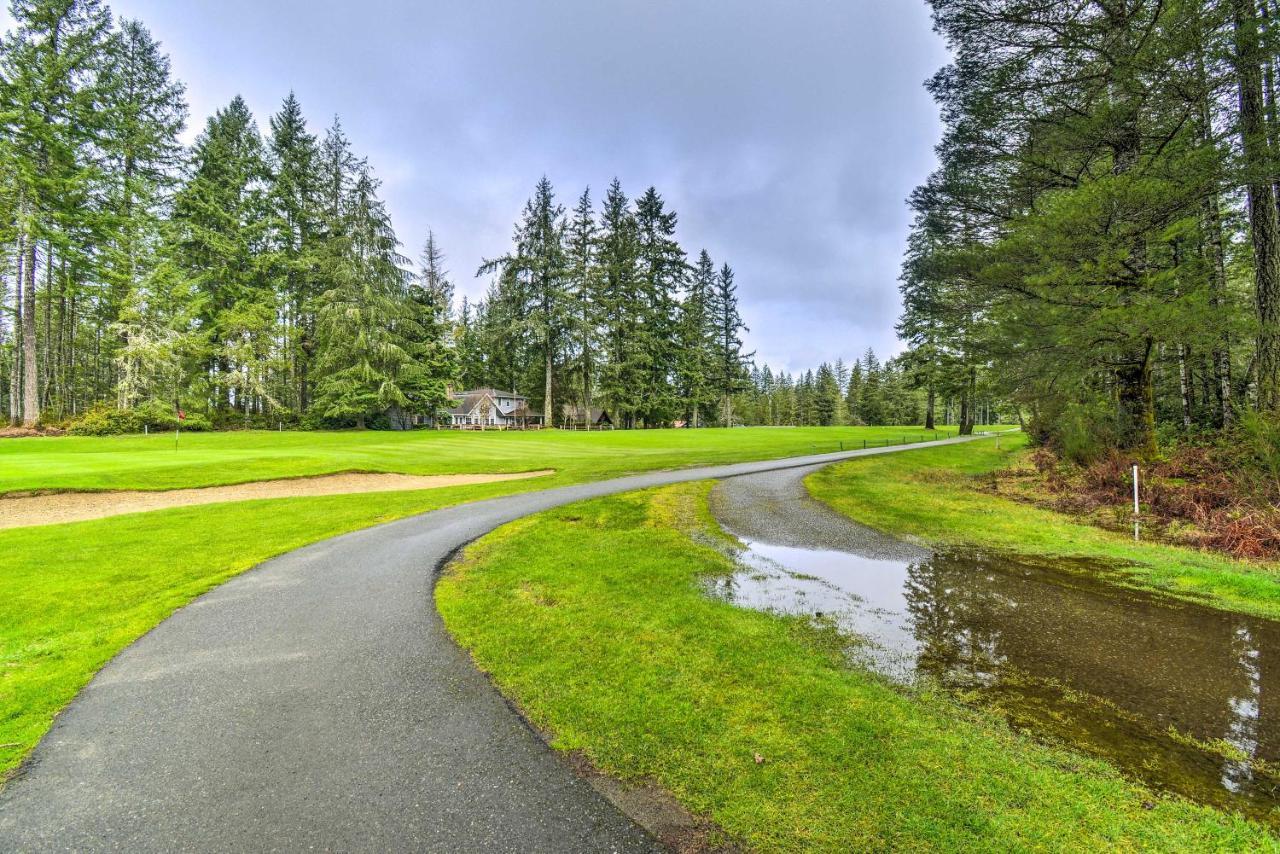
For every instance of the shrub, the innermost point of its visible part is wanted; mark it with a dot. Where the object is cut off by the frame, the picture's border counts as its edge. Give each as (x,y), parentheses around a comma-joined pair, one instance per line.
(1085,432)
(106,420)
(1259,438)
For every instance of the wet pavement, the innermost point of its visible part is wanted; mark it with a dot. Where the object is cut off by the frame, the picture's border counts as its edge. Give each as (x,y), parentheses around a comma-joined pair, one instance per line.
(1184,697)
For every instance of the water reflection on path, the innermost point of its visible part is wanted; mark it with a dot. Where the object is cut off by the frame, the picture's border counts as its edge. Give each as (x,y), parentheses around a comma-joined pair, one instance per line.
(1182,696)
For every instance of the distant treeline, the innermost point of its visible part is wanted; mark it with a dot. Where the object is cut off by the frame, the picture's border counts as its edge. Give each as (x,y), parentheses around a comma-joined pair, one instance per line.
(867,392)
(1101,242)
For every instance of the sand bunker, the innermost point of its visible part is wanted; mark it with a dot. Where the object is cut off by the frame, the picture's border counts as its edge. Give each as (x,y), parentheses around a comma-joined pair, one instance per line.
(29,510)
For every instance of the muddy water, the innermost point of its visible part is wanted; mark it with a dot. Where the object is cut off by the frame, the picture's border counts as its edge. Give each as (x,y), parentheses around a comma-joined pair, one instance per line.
(1182,696)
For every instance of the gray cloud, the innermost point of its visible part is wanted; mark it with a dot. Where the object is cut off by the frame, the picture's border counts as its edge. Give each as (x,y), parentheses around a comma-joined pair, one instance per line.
(786,133)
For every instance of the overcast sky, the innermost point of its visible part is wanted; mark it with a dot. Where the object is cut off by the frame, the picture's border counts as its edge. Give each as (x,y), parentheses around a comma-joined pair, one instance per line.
(785,133)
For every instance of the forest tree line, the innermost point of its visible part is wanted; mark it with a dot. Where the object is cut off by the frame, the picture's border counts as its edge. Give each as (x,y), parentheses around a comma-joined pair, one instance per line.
(867,392)
(257,277)
(1100,242)
(253,277)
(604,309)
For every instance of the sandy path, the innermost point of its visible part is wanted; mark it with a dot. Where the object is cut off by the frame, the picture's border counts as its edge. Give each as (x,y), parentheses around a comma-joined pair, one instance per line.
(29,510)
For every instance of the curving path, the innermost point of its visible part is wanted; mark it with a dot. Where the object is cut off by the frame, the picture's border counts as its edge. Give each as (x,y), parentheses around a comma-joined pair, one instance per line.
(317,701)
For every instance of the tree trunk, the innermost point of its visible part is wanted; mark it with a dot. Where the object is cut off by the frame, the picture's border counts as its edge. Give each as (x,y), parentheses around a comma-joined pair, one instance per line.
(30,372)
(1220,355)
(1218,302)
(928,410)
(969,402)
(71,354)
(1137,404)
(1263,219)
(1269,90)
(1184,386)
(15,375)
(546,399)
(46,349)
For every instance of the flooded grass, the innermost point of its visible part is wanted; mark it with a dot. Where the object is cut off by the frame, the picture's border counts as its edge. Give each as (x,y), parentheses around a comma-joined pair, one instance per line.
(1182,696)
(593,621)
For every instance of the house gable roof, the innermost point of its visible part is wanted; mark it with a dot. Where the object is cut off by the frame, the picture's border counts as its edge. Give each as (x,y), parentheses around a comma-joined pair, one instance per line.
(468,402)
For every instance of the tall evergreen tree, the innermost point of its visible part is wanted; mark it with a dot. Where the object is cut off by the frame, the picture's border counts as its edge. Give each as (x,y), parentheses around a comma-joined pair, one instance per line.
(696,356)
(661,271)
(539,271)
(621,305)
(467,336)
(582,280)
(728,372)
(51,68)
(296,206)
(141,153)
(429,337)
(221,233)
(433,278)
(364,325)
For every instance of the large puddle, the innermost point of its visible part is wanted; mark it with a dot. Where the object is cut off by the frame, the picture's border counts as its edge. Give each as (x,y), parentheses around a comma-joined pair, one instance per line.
(1182,696)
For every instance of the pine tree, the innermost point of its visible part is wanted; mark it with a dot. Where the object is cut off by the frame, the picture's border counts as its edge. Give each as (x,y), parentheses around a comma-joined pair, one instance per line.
(661,271)
(51,68)
(367,332)
(871,402)
(429,338)
(145,111)
(583,278)
(826,396)
(842,388)
(296,206)
(221,229)
(433,278)
(433,348)
(853,394)
(471,368)
(621,308)
(729,359)
(538,270)
(696,355)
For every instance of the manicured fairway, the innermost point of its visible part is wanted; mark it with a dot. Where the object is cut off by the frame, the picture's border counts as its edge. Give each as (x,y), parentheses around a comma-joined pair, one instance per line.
(207,459)
(592,619)
(943,495)
(73,595)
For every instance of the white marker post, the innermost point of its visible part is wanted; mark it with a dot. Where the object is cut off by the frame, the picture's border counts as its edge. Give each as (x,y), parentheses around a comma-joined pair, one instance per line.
(1136,511)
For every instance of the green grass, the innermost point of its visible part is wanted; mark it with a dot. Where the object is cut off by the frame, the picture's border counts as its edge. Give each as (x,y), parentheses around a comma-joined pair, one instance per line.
(73,595)
(210,459)
(620,655)
(939,496)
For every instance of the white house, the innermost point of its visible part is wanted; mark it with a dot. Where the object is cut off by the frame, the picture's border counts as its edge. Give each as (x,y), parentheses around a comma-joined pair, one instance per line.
(489,407)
